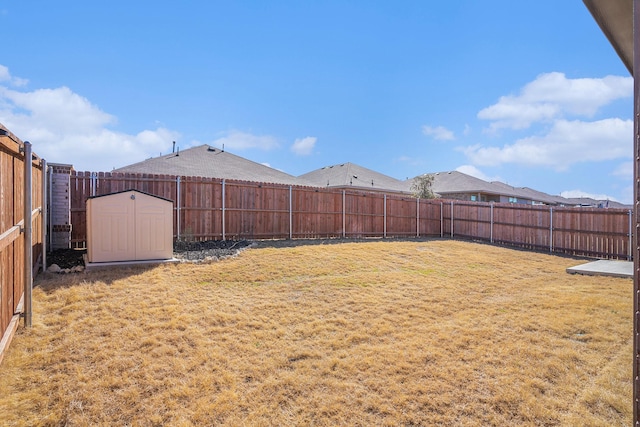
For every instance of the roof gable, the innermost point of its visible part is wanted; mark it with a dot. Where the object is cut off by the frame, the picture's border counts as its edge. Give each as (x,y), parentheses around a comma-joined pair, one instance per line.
(353,175)
(210,162)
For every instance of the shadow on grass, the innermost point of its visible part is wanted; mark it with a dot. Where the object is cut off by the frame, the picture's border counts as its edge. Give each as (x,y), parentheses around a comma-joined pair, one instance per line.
(291,243)
(50,282)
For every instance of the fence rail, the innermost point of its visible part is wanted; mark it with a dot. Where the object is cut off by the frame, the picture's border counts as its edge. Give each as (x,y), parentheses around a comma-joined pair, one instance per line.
(206,209)
(13,257)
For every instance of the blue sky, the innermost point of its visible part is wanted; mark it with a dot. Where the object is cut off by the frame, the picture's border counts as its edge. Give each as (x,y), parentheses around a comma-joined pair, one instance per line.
(529,93)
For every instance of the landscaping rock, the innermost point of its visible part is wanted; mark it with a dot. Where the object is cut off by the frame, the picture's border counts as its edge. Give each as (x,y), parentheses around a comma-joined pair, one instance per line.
(210,250)
(54,268)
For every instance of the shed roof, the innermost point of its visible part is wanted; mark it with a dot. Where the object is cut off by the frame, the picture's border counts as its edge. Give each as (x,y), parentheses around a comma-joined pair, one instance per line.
(210,162)
(134,190)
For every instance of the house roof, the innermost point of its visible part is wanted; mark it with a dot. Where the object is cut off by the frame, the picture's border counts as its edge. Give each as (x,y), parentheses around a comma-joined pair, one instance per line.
(457,182)
(350,175)
(615,18)
(454,182)
(211,162)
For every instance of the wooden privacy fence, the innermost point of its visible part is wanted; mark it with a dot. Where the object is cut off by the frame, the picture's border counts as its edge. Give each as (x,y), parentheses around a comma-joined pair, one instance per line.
(18,172)
(208,209)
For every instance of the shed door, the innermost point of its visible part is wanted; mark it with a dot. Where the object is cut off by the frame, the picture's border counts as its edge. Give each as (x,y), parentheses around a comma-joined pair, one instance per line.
(113,228)
(154,228)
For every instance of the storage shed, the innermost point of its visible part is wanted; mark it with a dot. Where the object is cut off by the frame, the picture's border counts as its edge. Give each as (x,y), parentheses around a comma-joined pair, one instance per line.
(129,226)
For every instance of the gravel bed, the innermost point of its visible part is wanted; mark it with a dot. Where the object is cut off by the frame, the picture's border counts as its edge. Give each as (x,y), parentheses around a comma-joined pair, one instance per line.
(209,250)
(185,251)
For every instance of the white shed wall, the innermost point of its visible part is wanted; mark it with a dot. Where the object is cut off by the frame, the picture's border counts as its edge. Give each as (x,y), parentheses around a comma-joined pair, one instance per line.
(129,226)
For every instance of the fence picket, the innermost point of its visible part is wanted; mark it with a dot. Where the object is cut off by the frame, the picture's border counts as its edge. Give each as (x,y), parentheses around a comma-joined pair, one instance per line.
(207,208)
(15,267)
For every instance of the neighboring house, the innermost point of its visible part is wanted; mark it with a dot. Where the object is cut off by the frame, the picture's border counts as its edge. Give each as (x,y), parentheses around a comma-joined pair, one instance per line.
(209,162)
(352,176)
(460,186)
(212,162)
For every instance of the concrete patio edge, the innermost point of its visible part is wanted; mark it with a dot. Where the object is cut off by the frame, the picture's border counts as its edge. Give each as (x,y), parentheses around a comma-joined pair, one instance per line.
(604,268)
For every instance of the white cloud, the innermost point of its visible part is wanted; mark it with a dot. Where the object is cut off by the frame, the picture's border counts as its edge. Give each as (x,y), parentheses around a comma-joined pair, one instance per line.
(567,142)
(439,133)
(578,194)
(59,109)
(6,77)
(304,146)
(553,95)
(627,195)
(65,127)
(477,173)
(624,170)
(237,140)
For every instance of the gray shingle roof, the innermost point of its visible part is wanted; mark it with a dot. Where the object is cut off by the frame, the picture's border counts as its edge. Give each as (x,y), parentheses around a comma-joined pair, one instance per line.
(350,175)
(458,182)
(455,182)
(212,162)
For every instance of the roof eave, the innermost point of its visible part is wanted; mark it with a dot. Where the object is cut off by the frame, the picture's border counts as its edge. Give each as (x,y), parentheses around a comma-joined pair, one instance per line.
(615,18)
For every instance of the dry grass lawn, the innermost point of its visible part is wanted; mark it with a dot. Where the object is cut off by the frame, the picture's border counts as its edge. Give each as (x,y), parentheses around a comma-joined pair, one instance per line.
(381,333)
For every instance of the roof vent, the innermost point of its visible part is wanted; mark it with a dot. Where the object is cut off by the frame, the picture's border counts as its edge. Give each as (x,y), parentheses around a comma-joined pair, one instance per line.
(211,149)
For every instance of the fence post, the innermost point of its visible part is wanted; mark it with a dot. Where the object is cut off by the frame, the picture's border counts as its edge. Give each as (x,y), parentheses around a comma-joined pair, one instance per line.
(28,244)
(441,220)
(344,215)
(491,225)
(384,226)
(43,213)
(50,188)
(224,231)
(630,256)
(94,183)
(551,229)
(452,219)
(417,217)
(178,207)
(290,213)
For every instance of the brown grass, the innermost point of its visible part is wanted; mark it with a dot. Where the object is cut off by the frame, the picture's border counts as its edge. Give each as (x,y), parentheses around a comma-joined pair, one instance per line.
(381,333)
